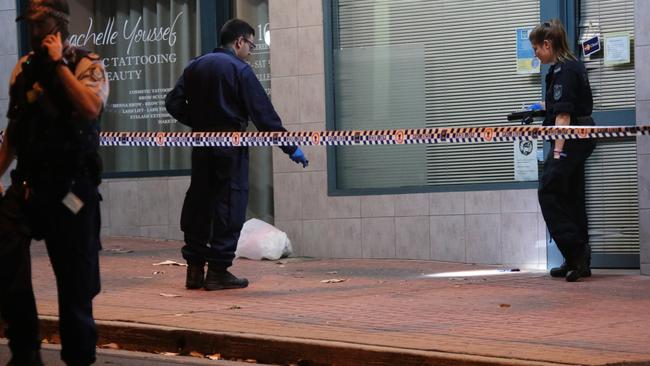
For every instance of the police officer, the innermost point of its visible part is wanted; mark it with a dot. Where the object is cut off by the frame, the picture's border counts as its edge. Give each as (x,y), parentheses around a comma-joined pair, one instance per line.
(220,92)
(562,185)
(57,94)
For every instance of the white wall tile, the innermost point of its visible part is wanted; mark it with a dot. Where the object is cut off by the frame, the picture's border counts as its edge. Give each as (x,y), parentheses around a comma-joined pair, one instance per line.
(412,204)
(104,205)
(8,32)
(316,241)
(315,204)
(310,44)
(283,13)
(287,195)
(310,12)
(447,203)
(284,94)
(482,202)
(644,226)
(378,237)
(643,162)
(642,72)
(519,239)
(7,5)
(345,238)
(123,205)
(483,238)
(7,64)
(378,206)
(641,24)
(519,200)
(412,237)
(153,207)
(447,234)
(284,52)
(344,207)
(154,232)
(643,118)
(312,98)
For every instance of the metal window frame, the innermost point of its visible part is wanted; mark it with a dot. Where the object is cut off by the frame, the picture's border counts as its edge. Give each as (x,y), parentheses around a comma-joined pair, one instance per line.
(330,34)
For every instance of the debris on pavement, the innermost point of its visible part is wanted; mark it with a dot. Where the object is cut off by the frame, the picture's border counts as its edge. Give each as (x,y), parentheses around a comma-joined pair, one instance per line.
(170,263)
(505,306)
(118,250)
(169,295)
(234,307)
(110,346)
(333,280)
(214,357)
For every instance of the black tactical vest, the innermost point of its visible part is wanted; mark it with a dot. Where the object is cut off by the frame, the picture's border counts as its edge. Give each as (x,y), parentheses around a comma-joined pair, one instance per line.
(53,144)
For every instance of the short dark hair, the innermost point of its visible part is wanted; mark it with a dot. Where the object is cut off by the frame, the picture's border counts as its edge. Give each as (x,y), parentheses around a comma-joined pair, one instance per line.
(233,29)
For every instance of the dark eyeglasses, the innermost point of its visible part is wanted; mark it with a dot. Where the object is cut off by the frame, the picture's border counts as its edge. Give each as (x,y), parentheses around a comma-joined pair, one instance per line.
(250,44)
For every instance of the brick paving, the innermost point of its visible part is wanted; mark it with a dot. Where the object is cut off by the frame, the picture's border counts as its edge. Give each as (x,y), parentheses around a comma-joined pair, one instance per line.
(388,303)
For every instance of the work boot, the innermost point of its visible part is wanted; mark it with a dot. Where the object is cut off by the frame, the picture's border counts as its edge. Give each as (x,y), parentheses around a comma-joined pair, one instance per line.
(560,271)
(581,267)
(221,279)
(577,273)
(194,279)
(31,359)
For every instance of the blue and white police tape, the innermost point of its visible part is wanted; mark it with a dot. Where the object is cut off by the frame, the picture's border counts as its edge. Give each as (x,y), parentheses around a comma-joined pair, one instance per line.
(370,137)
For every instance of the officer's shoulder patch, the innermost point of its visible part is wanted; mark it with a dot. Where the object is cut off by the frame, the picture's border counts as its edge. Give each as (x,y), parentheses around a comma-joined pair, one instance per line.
(557,92)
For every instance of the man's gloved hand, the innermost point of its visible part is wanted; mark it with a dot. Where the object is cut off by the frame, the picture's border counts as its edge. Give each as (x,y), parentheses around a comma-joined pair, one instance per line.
(535,107)
(299,157)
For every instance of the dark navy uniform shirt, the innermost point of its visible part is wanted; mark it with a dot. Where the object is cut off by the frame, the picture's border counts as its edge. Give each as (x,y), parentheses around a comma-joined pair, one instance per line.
(220,92)
(568,91)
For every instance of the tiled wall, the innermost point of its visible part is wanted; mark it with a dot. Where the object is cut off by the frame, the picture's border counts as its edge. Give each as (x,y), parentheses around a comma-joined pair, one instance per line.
(642,64)
(503,227)
(8,58)
(147,207)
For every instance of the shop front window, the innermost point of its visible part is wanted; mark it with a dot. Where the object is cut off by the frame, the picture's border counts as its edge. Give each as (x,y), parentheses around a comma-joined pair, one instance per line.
(144,46)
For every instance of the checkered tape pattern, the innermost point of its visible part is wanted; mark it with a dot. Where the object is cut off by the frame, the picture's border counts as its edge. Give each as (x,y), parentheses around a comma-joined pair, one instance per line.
(370,137)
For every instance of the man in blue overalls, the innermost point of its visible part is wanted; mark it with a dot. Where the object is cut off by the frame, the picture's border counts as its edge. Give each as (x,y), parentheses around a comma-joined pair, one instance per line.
(220,92)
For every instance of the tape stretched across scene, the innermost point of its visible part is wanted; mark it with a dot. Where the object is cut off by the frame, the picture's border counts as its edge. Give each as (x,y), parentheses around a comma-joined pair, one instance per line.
(369,137)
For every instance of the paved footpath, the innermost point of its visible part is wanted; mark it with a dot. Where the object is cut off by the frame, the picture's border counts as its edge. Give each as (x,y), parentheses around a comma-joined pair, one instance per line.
(416,308)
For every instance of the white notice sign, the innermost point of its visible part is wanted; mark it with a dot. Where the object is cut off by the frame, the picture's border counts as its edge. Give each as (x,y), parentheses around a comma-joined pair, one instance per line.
(617,48)
(525,160)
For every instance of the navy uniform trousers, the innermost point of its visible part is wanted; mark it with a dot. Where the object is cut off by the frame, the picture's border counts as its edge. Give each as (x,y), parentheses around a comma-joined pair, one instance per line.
(73,246)
(562,199)
(214,210)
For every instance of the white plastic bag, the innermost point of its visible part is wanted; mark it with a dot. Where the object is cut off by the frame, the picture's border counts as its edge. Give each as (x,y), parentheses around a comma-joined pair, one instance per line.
(259,240)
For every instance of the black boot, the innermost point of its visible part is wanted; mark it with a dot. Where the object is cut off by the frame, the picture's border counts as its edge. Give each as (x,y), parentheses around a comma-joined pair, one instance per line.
(194,278)
(581,267)
(560,271)
(577,273)
(221,279)
(31,359)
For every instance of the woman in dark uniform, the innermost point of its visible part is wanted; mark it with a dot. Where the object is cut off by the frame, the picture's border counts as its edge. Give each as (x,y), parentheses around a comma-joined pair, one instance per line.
(562,185)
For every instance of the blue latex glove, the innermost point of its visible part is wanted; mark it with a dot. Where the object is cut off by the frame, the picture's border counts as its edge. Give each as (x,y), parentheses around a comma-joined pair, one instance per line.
(535,107)
(299,157)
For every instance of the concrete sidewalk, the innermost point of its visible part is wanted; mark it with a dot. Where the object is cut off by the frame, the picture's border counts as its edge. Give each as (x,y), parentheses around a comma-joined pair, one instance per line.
(385,312)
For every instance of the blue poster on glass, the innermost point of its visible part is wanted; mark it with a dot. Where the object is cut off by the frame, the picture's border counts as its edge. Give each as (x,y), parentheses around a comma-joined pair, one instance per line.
(527,63)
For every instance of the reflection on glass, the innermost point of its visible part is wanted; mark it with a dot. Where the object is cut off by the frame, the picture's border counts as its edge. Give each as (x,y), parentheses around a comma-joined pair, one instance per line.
(144,46)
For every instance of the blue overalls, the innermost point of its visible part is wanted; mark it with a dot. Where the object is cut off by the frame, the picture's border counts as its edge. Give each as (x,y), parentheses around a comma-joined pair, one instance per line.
(218,92)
